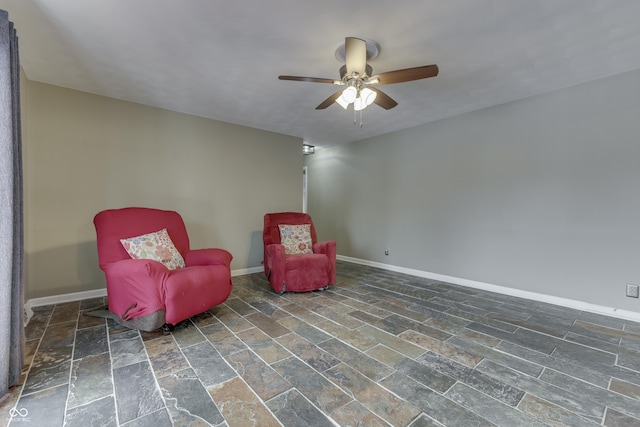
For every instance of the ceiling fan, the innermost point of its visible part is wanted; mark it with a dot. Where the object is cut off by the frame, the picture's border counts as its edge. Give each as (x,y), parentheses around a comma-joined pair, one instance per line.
(359,80)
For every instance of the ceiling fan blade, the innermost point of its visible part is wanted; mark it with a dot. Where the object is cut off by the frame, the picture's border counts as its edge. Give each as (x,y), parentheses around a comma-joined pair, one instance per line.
(407,74)
(355,55)
(306,79)
(330,100)
(382,99)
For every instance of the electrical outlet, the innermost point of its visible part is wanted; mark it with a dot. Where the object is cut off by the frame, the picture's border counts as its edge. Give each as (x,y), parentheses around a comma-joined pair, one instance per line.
(632,291)
(386,251)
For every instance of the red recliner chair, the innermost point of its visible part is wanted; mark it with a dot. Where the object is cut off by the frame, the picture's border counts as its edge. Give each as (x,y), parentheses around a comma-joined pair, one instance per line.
(294,260)
(142,291)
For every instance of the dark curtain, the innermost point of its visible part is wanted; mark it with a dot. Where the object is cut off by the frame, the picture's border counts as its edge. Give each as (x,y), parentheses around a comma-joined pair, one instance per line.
(11,211)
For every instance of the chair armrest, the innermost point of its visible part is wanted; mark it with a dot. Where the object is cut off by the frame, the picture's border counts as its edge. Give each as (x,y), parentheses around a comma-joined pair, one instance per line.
(135,266)
(208,256)
(135,287)
(274,265)
(329,249)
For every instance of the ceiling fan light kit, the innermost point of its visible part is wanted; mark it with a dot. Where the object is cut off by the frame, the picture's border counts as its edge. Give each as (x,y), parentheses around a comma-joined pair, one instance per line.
(356,74)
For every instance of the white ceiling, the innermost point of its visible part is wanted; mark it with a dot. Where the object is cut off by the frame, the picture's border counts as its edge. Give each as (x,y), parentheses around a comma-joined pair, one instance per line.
(220,59)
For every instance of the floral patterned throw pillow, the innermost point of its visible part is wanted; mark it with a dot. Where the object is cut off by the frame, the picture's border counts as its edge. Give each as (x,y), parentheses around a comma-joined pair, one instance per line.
(156,246)
(296,239)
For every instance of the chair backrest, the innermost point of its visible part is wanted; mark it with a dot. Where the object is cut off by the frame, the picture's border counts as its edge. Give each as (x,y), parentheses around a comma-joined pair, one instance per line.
(115,224)
(271,232)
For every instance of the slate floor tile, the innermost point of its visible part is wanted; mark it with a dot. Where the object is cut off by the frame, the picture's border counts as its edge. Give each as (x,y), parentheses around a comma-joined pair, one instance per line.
(362,363)
(264,381)
(552,414)
(303,313)
(292,409)
(90,380)
(240,406)
(571,367)
(338,316)
(625,388)
(491,409)
(230,318)
(419,327)
(97,413)
(126,349)
(9,403)
(240,307)
(618,419)
(313,355)
(86,321)
(159,418)
(263,345)
(391,327)
(348,356)
(305,330)
(534,325)
(366,308)
(392,341)
(587,355)
(604,333)
(268,325)
(443,348)
(481,382)
(136,391)
(165,356)
(425,421)
(35,329)
(268,309)
(65,312)
(354,413)
(529,339)
(187,400)
(346,335)
(315,387)
(386,405)
(447,323)
(433,404)
(225,341)
(477,337)
(42,408)
(501,357)
(602,320)
(577,403)
(623,404)
(90,341)
(208,364)
(48,370)
(186,333)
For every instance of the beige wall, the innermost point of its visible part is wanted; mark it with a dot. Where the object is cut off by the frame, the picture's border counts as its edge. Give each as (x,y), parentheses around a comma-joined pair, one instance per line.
(85,153)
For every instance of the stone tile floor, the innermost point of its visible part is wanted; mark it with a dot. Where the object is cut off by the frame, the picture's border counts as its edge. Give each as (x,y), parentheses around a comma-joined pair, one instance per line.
(378,349)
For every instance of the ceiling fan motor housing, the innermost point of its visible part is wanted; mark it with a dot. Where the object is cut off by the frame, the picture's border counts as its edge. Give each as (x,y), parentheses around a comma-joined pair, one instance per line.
(343,73)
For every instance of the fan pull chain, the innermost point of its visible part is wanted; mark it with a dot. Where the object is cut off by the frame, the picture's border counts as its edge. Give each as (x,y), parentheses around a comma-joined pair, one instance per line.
(355,117)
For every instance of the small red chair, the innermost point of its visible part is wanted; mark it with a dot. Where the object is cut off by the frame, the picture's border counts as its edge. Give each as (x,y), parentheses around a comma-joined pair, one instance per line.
(144,293)
(315,269)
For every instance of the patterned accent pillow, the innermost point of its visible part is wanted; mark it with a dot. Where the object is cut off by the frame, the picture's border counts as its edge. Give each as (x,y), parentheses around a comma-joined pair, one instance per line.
(296,239)
(156,246)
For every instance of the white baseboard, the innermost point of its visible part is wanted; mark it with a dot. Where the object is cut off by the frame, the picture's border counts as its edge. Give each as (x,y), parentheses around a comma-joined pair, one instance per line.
(59,299)
(95,293)
(244,271)
(550,299)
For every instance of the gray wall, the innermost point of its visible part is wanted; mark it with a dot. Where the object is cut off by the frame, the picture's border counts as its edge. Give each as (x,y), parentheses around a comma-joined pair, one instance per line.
(540,194)
(85,153)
